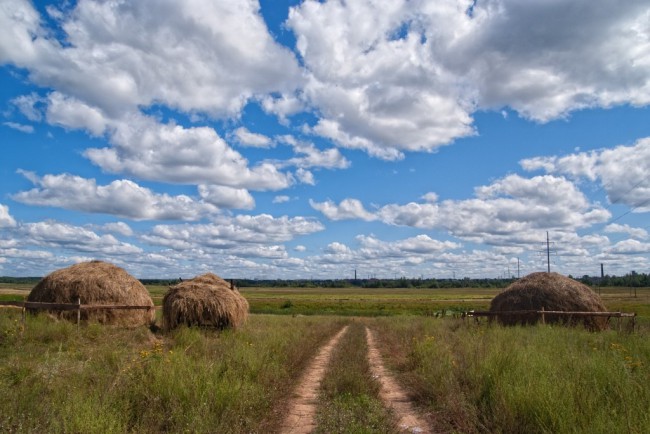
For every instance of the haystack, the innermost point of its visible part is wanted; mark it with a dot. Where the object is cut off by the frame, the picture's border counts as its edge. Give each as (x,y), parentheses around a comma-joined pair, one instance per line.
(205,301)
(96,282)
(550,292)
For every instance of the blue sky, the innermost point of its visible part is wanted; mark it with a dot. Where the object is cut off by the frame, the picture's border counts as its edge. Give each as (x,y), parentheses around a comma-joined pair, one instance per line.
(311,139)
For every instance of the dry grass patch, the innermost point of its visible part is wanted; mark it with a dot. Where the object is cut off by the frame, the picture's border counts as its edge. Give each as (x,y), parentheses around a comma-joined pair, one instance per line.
(206,301)
(96,282)
(552,292)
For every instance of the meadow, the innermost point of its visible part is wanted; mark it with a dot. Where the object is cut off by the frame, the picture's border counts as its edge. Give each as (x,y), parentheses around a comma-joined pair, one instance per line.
(462,376)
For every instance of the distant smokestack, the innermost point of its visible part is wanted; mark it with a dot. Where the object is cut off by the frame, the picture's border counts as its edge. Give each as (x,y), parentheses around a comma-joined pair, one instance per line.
(602,271)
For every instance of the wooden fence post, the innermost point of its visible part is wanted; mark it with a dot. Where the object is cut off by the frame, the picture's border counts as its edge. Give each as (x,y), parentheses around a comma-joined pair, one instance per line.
(24,314)
(78,312)
(543,319)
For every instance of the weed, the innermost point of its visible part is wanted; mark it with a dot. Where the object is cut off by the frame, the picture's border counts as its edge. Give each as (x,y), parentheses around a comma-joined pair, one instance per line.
(349,401)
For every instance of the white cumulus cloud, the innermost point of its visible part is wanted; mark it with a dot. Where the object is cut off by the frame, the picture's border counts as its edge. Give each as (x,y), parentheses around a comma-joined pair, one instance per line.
(227,197)
(622,171)
(347,209)
(122,198)
(6,220)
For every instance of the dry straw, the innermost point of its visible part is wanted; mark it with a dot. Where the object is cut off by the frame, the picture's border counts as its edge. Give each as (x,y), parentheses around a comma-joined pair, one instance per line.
(551,292)
(96,283)
(206,301)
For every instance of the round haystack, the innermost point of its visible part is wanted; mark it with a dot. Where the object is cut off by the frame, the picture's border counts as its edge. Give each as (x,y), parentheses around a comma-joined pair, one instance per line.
(549,292)
(205,301)
(96,283)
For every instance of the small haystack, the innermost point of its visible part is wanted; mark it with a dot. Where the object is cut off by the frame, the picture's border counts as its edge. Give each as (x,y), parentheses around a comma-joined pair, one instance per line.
(551,292)
(205,301)
(96,282)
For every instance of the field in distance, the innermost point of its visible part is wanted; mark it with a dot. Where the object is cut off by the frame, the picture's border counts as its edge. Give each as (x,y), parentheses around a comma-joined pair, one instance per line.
(379,301)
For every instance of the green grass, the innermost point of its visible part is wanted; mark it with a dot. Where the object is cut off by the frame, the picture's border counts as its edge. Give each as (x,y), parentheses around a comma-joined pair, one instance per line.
(378,301)
(469,378)
(104,379)
(364,302)
(535,379)
(390,302)
(349,401)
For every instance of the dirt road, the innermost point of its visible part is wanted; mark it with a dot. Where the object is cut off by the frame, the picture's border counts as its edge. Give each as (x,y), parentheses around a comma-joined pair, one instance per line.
(301,416)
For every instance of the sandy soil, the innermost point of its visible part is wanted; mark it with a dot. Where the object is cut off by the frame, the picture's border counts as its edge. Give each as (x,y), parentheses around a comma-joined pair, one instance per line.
(392,394)
(302,407)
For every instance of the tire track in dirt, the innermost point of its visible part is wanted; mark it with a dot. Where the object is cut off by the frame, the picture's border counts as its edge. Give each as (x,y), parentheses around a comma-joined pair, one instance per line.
(392,394)
(301,417)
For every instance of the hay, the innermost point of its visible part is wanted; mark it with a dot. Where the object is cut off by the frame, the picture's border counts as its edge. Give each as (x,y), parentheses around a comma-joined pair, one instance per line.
(96,282)
(205,301)
(549,291)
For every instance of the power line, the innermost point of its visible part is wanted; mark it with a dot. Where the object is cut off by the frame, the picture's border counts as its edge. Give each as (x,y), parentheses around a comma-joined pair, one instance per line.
(645,202)
(620,196)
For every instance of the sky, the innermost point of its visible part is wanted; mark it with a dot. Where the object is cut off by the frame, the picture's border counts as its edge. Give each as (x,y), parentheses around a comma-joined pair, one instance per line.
(302,139)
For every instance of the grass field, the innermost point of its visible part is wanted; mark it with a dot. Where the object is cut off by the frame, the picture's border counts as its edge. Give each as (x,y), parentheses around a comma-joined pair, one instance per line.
(464,377)
(378,302)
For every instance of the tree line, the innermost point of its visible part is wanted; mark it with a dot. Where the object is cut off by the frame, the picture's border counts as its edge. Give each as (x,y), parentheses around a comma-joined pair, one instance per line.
(632,279)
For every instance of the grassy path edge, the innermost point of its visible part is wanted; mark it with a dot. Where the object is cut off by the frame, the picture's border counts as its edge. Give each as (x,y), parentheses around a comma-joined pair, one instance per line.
(391,393)
(302,406)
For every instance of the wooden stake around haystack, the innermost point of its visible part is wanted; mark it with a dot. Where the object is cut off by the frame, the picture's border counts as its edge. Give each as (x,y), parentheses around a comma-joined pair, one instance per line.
(98,283)
(549,292)
(205,301)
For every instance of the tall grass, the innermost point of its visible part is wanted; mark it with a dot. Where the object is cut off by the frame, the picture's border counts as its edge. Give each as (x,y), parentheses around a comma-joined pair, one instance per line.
(103,379)
(349,399)
(535,379)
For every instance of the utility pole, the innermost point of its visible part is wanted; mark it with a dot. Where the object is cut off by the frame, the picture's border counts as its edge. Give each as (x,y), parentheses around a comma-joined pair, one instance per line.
(548,253)
(517,268)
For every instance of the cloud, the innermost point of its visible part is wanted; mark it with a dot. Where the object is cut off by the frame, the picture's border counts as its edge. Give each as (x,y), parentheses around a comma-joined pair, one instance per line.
(547,59)
(383,77)
(282,106)
(638,233)
(430,197)
(305,176)
(403,76)
(337,248)
(312,156)
(347,209)
(377,92)
(147,149)
(144,148)
(246,138)
(227,197)
(19,127)
(281,199)
(387,256)
(231,232)
(22,38)
(264,252)
(30,106)
(504,211)
(629,247)
(118,228)
(423,244)
(122,198)
(6,220)
(201,56)
(72,113)
(73,238)
(509,210)
(622,171)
